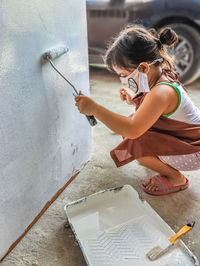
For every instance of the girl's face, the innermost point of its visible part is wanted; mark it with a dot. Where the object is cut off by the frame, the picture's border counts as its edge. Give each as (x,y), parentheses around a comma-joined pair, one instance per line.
(142,67)
(141,78)
(121,72)
(130,78)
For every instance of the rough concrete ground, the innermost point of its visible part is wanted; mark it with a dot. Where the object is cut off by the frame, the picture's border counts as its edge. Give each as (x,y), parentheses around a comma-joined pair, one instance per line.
(49,243)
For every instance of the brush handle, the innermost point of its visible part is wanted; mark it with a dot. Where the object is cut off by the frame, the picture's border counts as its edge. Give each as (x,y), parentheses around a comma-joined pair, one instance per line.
(92,120)
(180,233)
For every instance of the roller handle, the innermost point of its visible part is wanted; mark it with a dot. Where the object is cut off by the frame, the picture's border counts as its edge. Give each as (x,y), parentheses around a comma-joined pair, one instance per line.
(181,232)
(92,120)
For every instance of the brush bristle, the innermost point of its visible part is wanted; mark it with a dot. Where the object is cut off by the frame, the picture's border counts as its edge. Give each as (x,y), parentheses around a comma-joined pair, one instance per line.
(154,253)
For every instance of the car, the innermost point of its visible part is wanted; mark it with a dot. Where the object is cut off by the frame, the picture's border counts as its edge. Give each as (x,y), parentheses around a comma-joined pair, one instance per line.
(106,18)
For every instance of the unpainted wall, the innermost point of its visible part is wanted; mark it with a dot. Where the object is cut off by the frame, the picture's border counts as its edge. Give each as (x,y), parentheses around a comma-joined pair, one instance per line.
(43,138)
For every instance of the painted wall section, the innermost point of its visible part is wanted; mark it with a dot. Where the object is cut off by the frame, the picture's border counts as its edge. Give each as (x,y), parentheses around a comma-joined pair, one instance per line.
(43,137)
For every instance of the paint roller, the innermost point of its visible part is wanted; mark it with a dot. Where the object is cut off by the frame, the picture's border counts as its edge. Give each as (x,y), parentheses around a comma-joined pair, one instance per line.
(54,53)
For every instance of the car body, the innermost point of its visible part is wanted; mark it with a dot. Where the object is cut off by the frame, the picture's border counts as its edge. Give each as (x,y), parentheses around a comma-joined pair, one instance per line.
(107,17)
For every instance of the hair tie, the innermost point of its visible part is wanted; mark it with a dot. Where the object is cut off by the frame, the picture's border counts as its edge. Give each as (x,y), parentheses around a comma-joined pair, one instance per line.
(159,43)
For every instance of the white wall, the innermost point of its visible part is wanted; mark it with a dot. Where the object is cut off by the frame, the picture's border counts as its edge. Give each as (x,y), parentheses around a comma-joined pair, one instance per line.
(43,138)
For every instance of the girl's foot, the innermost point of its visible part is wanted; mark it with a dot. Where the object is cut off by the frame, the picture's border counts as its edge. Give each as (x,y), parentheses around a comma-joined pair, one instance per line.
(161,185)
(175,181)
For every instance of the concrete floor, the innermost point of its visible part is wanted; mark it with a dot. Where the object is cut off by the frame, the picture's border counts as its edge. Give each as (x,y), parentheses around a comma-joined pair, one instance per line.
(49,243)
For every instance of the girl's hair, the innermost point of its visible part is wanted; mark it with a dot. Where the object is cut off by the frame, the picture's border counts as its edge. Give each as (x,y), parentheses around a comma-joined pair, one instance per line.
(135,44)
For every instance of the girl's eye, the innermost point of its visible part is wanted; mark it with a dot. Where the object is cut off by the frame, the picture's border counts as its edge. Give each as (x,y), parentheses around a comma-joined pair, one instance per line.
(122,76)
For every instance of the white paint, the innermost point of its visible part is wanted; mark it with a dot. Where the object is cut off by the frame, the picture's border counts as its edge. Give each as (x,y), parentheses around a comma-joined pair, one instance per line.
(118,228)
(43,137)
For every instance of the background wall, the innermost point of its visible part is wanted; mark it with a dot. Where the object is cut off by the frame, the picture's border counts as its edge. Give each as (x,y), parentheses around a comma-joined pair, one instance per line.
(43,138)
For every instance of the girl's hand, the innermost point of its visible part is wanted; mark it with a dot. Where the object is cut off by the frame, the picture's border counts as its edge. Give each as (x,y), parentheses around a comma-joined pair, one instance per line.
(123,94)
(126,96)
(85,104)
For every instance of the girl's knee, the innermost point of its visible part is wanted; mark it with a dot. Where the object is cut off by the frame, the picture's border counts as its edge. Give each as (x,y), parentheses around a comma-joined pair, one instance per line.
(144,160)
(139,161)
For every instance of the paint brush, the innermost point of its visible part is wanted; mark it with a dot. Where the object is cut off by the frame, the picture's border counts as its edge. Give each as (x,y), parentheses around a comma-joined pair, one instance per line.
(157,251)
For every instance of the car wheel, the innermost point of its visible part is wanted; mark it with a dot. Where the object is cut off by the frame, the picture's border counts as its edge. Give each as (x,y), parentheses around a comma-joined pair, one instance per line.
(186,52)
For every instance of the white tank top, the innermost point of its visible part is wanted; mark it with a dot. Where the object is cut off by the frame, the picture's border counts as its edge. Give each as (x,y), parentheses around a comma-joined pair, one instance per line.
(186,111)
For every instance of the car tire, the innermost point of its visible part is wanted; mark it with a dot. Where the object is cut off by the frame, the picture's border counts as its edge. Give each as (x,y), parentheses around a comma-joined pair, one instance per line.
(190,39)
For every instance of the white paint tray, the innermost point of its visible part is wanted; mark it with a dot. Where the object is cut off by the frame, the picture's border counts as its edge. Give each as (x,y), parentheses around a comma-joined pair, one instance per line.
(116,227)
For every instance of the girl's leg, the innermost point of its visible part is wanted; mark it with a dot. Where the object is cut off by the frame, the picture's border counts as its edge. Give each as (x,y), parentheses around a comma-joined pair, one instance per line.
(154,163)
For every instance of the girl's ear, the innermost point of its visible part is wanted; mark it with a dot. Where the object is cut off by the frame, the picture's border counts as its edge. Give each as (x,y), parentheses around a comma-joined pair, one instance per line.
(144,67)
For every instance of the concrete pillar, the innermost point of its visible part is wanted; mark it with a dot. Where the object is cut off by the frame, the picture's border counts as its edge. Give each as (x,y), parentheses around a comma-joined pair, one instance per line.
(44,140)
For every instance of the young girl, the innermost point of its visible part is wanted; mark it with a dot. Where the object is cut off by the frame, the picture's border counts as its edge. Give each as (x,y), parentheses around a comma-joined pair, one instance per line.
(164,132)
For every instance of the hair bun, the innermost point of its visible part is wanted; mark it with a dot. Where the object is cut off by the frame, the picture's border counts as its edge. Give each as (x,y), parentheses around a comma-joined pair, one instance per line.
(168,37)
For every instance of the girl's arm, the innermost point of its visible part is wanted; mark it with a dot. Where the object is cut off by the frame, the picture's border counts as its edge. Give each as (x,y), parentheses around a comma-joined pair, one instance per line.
(153,106)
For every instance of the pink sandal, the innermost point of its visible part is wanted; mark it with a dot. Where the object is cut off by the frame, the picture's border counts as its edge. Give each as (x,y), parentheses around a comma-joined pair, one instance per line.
(164,186)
